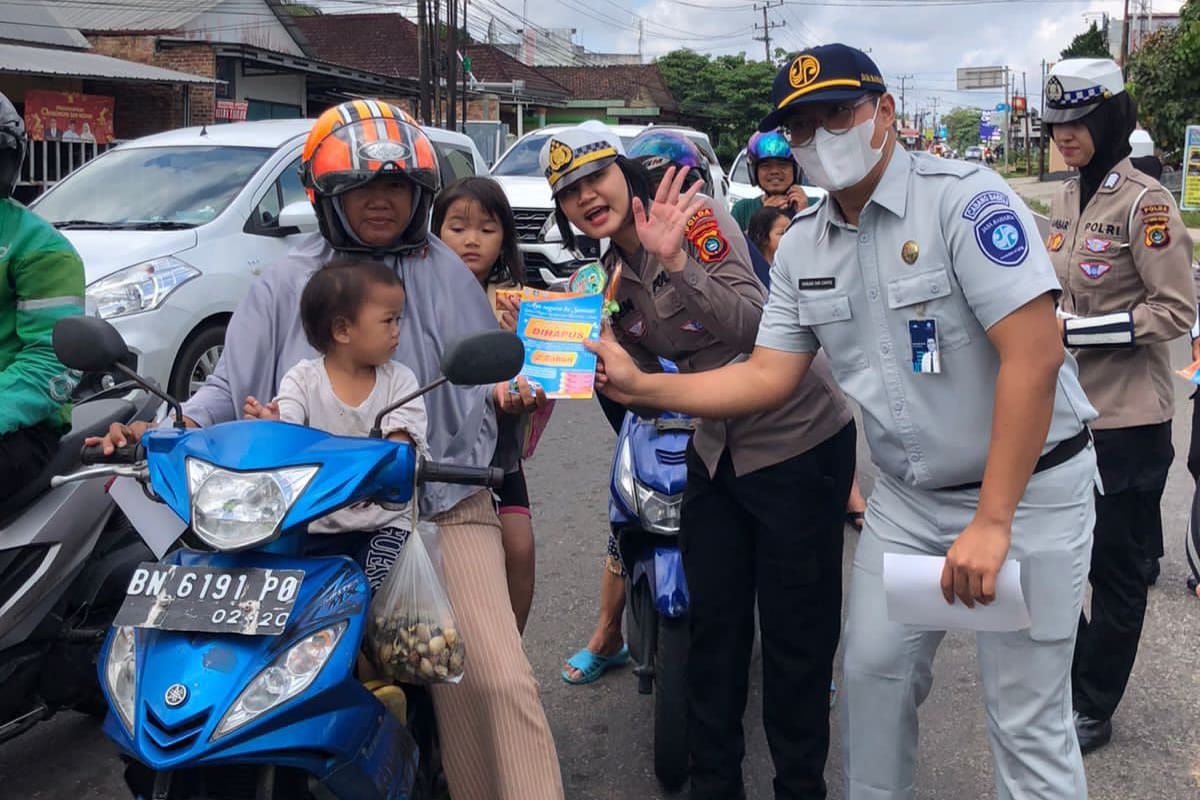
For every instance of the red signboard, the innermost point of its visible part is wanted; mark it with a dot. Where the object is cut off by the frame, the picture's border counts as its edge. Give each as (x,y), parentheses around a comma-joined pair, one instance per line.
(68,117)
(232,110)
(1018,106)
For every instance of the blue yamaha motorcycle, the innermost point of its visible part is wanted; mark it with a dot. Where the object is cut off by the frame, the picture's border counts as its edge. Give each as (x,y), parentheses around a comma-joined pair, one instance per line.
(230,669)
(645,495)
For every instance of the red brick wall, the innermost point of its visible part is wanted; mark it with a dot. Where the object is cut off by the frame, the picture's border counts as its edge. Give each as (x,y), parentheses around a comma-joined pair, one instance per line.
(142,108)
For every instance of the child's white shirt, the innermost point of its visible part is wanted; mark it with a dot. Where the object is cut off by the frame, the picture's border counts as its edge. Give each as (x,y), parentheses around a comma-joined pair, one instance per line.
(306,397)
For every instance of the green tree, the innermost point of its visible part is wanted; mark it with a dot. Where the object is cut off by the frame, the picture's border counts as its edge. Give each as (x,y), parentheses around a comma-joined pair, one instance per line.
(1164,78)
(1092,43)
(962,128)
(731,93)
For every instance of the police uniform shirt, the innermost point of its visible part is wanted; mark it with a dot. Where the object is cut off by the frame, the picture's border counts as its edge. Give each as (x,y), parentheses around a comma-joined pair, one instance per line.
(707,315)
(941,240)
(1128,255)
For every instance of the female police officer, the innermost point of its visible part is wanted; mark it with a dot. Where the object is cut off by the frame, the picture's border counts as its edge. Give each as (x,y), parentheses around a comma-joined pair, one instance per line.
(1123,257)
(983,451)
(762,512)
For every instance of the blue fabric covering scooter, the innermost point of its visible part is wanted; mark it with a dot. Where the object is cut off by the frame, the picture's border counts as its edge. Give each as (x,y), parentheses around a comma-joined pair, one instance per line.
(230,669)
(645,497)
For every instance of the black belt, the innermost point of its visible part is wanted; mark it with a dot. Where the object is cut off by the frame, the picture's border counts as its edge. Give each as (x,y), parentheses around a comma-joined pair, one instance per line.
(1061,453)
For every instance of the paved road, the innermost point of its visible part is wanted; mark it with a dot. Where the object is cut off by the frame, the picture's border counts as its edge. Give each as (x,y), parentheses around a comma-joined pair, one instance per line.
(603,730)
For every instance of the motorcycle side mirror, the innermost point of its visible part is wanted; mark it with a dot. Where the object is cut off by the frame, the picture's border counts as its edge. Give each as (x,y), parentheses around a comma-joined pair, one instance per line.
(483,358)
(475,360)
(90,344)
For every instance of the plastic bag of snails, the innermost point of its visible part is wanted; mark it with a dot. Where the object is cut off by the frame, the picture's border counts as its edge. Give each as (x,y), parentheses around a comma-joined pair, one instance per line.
(412,635)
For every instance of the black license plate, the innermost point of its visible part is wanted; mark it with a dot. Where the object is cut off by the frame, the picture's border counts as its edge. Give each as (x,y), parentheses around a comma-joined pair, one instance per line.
(252,602)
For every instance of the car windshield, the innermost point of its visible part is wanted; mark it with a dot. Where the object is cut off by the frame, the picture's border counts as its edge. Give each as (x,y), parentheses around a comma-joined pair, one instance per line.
(522,159)
(152,187)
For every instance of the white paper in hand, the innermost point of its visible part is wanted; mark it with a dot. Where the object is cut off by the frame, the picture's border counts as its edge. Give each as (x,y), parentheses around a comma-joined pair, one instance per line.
(914,597)
(156,523)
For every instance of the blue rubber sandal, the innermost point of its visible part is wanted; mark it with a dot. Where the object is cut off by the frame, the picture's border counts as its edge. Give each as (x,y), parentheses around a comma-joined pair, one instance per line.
(592,666)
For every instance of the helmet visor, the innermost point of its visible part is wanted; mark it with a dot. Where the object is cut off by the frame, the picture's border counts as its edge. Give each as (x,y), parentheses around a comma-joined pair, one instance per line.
(354,154)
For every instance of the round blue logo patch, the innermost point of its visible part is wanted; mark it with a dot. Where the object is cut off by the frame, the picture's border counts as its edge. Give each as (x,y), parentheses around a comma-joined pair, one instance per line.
(1002,238)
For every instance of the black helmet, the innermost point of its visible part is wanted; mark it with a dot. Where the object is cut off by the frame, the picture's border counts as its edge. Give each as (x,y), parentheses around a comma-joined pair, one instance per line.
(12,146)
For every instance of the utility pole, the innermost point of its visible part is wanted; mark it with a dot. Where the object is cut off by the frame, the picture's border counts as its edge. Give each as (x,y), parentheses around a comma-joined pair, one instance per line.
(936,100)
(451,64)
(466,65)
(903,80)
(423,60)
(1028,155)
(767,26)
(436,72)
(1042,130)
(1125,36)
(641,37)
(1007,120)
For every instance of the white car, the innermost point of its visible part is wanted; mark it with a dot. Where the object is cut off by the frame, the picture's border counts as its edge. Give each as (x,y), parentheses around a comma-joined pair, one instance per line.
(547,262)
(173,227)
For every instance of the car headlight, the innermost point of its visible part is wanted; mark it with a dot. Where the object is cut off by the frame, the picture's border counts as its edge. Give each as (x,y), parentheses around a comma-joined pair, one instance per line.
(625,480)
(658,512)
(236,510)
(549,232)
(120,673)
(141,287)
(289,675)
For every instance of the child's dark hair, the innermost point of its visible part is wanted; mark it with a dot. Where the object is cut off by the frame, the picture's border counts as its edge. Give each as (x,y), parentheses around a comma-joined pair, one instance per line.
(759,229)
(337,291)
(640,184)
(510,267)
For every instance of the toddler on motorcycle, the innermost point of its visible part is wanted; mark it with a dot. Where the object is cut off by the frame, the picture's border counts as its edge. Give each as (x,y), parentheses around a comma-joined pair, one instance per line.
(350,309)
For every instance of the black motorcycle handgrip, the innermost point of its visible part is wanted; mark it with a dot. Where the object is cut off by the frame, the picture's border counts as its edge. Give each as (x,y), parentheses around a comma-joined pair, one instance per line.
(94,454)
(432,472)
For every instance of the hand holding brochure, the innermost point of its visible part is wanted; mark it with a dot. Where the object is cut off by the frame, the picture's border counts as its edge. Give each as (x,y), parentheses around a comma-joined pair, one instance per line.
(553,332)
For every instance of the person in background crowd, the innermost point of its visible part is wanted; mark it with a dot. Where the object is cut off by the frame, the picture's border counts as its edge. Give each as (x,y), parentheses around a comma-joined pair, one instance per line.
(773,169)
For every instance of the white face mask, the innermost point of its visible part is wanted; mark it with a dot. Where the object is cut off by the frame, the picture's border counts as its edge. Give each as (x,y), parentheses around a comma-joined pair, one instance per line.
(838,161)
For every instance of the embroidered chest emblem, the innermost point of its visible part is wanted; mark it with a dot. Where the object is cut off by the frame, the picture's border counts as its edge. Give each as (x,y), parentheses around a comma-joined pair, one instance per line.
(1095,269)
(1098,245)
(1055,242)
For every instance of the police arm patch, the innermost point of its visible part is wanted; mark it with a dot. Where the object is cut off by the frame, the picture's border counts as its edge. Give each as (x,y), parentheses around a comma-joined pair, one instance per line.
(1001,238)
(703,233)
(1158,235)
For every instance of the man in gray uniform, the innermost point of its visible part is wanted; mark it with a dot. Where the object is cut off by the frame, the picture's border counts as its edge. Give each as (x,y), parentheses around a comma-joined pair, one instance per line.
(981,439)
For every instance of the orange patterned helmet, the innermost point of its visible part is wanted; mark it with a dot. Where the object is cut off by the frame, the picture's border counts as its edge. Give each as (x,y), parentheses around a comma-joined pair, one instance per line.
(360,141)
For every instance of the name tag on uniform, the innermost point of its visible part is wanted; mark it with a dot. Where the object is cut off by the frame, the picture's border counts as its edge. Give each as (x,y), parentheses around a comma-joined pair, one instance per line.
(817,283)
(926,355)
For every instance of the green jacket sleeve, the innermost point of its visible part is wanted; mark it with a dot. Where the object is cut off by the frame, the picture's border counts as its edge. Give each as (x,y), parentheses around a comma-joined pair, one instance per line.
(44,283)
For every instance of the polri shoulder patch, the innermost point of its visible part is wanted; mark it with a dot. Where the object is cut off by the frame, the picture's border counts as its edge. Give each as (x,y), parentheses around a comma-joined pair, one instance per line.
(703,233)
(1001,238)
(1112,180)
(1158,235)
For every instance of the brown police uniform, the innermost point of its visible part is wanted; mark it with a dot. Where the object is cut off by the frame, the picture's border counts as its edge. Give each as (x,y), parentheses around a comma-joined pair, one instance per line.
(1127,252)
(1125,267)
(762,516)
(703,318)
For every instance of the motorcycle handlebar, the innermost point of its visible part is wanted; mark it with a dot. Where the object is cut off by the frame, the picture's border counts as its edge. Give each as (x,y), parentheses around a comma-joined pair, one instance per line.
(94,454)
(432,472)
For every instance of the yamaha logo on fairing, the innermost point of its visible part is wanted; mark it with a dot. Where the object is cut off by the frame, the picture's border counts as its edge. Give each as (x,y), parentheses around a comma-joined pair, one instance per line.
(177,695)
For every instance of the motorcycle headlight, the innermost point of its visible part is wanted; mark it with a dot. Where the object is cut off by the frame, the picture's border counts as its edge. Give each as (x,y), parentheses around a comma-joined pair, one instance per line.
(236,510)
(120,673)
(289,675)
(141,287)
(625,480)
(659,513)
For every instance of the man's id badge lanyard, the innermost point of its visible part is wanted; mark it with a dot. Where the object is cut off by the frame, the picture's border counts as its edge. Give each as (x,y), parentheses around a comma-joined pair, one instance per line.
(923,341)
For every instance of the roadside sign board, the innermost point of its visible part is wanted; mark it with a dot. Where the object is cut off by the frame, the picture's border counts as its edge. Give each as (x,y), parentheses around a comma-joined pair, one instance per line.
(980,78)
(1189,192)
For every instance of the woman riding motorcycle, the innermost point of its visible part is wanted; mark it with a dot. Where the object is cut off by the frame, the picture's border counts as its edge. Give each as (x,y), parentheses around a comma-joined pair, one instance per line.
(372,174)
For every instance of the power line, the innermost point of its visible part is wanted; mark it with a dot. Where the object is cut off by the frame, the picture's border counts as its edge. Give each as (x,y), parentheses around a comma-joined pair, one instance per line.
(767,25)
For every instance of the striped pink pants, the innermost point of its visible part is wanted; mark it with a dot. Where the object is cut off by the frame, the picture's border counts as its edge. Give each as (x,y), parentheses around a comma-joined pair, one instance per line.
(496,742)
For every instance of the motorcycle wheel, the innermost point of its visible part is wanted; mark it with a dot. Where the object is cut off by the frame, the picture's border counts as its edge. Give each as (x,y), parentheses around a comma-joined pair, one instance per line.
(670,703)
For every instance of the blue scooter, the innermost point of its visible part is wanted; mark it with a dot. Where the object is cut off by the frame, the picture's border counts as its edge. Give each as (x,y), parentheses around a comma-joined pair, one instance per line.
(646,492)
(230,669)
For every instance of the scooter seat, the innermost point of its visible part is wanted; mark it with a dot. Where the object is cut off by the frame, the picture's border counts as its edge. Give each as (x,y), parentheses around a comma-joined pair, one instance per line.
(87,419)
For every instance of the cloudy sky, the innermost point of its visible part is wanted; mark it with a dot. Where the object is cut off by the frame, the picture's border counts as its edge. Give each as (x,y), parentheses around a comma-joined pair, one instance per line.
(924,39)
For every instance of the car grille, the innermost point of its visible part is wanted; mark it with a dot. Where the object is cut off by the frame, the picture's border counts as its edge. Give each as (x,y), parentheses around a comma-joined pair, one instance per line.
(530,222)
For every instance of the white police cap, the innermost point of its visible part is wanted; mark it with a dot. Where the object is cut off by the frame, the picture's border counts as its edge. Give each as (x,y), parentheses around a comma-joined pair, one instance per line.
(576,152)
(1077,85)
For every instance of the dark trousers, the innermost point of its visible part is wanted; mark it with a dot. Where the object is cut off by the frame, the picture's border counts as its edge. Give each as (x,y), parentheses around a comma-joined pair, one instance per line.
(775,534)
(1133,467)
(23,454)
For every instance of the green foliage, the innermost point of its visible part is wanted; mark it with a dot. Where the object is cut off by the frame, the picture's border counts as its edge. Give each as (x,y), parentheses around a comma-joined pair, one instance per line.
(1164,78)
(962,128)
(732,92)
(298,9)
(1092,43)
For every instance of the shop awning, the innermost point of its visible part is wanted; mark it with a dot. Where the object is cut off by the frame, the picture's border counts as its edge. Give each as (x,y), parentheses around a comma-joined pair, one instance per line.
(18,59)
